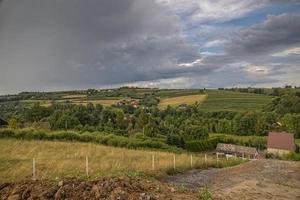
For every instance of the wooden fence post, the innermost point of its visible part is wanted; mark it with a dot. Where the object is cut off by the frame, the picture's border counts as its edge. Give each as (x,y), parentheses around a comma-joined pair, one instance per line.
(153,164)
(217,157)
(33,170)
(191,160)
(87,166)
(205,158)
(174,161)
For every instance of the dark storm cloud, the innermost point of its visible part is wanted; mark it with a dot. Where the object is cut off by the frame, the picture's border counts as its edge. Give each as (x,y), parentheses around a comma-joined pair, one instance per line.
(275,34)
(74,43)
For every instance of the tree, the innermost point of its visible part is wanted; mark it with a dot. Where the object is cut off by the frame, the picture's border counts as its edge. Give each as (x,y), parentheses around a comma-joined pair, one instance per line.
(151,127)
(290,123)
(244,124)
(121,123)
(142,119)
(36,113)
(266,122)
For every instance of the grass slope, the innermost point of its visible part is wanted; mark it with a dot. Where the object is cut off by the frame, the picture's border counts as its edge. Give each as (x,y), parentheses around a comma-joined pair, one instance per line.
(220,100)
(67,159)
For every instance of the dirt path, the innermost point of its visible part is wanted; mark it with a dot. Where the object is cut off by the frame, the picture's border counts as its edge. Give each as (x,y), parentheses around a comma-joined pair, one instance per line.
(261,179)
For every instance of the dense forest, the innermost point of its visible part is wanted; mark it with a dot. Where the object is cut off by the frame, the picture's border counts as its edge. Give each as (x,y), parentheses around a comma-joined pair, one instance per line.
(179,125)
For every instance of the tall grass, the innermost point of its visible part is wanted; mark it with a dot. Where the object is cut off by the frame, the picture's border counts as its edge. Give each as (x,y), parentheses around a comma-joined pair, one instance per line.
(67,159)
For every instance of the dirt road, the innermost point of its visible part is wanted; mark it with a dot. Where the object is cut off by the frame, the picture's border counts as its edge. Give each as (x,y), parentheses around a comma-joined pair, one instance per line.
(261,179)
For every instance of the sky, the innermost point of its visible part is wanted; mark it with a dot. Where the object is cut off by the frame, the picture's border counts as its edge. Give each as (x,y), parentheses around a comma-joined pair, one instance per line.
(80,44)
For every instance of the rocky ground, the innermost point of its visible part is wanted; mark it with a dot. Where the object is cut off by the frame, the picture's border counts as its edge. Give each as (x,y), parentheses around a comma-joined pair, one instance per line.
(261,179)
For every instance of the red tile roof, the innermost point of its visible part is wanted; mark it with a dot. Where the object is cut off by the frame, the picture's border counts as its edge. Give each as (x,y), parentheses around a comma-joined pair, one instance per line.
(281,140)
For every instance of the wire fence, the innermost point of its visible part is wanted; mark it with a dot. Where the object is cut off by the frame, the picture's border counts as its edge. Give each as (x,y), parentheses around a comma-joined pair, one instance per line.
(103,165)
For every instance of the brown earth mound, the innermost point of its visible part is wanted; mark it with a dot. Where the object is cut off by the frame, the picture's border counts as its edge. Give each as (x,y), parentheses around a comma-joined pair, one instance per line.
(105,188)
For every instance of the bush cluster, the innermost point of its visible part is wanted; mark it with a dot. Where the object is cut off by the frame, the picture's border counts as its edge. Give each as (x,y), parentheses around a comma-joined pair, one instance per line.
(96,137)
(211,143)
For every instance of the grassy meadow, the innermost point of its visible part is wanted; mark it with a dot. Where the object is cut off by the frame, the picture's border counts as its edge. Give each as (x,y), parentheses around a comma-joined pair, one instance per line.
(68,159)
(221,100)
(176,101)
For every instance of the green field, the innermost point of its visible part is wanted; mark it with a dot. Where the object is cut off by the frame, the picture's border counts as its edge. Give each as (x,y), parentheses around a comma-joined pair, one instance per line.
(221,100)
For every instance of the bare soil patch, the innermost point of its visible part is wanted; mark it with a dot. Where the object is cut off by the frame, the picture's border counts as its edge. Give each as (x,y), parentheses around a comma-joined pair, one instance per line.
(261,179)
(105,188)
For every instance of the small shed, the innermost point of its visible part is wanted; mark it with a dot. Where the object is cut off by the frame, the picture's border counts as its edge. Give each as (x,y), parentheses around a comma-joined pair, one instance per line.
(241,151)
(3,123)
(280,143)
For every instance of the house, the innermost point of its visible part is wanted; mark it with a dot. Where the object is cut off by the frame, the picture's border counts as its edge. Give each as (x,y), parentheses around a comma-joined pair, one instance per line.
(236,150)
(3,123)
(280,143)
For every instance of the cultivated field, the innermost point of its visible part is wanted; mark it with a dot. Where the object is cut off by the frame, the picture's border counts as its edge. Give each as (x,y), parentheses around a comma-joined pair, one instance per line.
(104,102)
(221,100)
(68,159)
(74,96)
(175,101)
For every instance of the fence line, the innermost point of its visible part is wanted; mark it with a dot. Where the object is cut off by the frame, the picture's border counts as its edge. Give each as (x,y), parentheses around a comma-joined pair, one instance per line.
(33,170)
(153,166)
(177,162)
(174,161)
(87,166)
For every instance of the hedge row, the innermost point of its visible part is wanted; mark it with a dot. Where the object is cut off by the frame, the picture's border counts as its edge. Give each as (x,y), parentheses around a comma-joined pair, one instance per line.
(201,145)
(96,137)
(211,143)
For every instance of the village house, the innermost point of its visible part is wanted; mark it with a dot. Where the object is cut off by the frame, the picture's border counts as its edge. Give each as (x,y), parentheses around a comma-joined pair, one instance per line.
(3,123)
(280,143)
(235,150)
(132,102)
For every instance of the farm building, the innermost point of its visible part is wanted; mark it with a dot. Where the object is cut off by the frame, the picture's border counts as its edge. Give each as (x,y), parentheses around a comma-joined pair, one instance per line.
(3,123)
(280,143)
(241,151)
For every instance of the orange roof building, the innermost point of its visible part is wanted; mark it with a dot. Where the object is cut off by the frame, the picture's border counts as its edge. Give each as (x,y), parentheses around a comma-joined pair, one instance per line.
(280,143)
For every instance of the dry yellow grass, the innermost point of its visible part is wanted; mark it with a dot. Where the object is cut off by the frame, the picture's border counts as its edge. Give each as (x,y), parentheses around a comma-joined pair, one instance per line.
(67,159)
(104,102)
(175,101)
(74,96)
(45,103)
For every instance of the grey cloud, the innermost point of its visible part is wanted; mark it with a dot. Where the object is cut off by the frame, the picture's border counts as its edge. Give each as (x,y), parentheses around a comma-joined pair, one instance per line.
(74,43)
(276,33)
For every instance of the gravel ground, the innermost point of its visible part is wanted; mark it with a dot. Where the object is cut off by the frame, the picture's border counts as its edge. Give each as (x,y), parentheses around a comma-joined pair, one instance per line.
(260,179)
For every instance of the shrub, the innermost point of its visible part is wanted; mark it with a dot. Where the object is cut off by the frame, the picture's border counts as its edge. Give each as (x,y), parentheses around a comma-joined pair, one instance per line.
(6,133)
(97,137)
(205,194)
(202,145)
(292,156)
